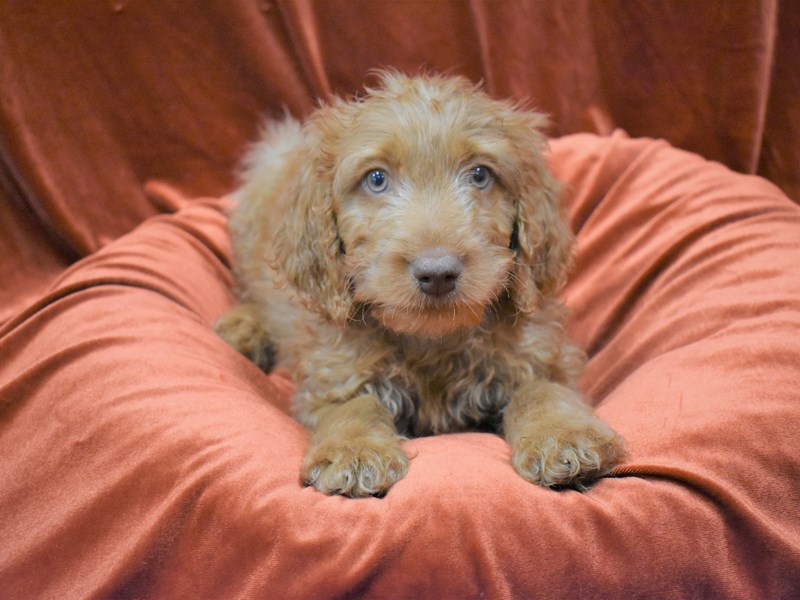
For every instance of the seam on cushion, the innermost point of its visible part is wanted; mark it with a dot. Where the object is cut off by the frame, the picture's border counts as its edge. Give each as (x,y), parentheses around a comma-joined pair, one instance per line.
(197,233)
(207,243)
(632,168)
(61,293)
(650,146)
(717,493)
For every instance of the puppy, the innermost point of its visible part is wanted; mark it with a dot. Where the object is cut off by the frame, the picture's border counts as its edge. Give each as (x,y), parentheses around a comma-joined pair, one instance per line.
(401,253)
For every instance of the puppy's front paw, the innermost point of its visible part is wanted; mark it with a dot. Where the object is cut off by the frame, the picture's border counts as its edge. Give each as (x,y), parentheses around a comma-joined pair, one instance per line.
(570,451)
(364,466)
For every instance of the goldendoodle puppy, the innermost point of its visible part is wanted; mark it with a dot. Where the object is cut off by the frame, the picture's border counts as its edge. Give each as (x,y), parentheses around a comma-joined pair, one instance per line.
(401,253)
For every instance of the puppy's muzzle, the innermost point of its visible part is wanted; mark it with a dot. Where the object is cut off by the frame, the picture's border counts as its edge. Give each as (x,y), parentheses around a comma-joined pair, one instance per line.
(436,272)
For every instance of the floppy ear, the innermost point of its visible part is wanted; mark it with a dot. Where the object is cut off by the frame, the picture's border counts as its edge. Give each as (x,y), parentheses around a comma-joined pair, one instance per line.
(307,247)
(542,239)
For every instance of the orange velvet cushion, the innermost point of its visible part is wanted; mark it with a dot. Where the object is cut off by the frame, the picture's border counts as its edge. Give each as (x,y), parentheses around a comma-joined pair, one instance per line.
(142,457)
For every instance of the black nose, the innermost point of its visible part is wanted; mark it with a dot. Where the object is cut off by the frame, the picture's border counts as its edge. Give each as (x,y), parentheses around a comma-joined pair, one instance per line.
(436,272)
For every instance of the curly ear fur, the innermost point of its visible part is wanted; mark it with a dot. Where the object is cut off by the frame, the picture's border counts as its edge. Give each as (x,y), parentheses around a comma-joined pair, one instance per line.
(287,204)
(542,238)
(307,247)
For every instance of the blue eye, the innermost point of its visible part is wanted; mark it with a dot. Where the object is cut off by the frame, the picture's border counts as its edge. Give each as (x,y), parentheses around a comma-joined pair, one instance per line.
(377,181)
(481,177)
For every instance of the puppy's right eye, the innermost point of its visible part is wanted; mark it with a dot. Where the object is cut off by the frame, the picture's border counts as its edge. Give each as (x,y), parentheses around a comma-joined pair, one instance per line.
(376,181)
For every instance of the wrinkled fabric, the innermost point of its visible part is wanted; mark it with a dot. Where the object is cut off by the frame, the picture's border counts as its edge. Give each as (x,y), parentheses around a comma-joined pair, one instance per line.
(141,457)
(144,458)
(98,98)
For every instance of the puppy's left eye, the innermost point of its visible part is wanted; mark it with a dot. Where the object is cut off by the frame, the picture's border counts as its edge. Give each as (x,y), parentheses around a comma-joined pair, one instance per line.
(376,181)
(481,177)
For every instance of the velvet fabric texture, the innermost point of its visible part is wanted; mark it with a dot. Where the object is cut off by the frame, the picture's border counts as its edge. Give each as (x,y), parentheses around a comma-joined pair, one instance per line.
(143,457)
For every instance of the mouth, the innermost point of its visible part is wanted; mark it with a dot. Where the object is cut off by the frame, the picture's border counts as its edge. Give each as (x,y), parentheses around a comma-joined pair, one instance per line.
(431,318)
(434,295)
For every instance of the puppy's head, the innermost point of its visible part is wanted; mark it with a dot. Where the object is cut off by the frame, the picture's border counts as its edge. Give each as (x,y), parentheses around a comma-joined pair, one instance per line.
(423,204)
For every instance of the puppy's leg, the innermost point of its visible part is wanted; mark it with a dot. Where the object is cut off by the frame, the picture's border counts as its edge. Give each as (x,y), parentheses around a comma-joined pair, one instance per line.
(354,450)
(241,327)
(555,438)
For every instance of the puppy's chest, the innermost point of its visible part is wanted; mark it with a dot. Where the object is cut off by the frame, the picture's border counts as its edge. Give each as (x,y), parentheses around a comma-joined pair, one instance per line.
(432,394)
